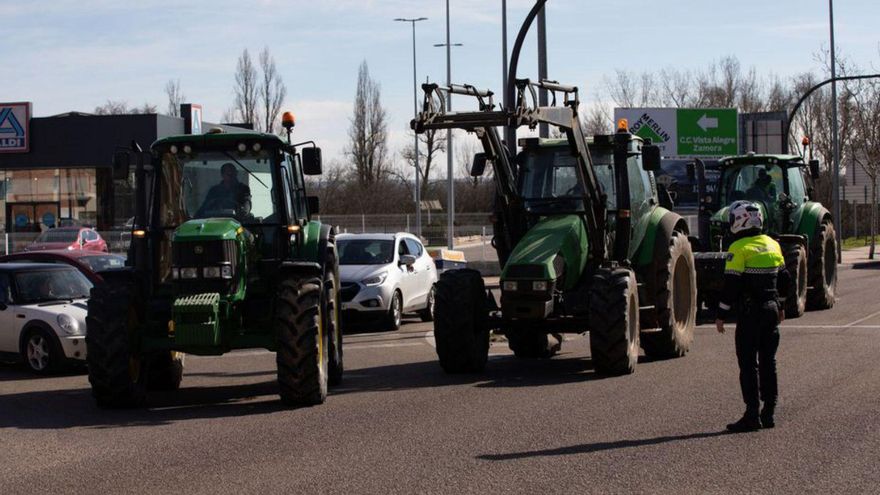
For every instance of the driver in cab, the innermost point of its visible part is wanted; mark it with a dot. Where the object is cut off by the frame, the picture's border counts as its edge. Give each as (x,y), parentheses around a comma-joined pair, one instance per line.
(229,194)
(763,188)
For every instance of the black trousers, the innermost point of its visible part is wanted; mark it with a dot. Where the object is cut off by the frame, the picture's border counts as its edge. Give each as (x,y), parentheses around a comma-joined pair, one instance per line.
(757,338)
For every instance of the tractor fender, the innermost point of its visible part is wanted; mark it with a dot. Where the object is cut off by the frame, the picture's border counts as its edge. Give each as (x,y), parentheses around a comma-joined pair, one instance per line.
(813,215)
(317,240)
(661,224)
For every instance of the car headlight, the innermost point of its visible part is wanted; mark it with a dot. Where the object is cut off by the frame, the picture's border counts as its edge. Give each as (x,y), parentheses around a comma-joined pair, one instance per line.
(211,272)
(189,272)
(69,325)
(510,285)
(375,279)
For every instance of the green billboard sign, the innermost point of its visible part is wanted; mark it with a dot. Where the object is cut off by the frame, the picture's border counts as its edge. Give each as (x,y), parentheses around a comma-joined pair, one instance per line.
(707,132)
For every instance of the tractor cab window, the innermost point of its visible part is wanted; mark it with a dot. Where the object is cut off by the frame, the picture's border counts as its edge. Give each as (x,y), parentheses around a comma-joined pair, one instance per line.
(225,185)
(603,167)
(549,181)
(758,182)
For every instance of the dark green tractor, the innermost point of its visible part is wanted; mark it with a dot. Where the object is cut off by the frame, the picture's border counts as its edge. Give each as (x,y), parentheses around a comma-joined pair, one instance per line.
(583,242)
(224,255)
(782,186)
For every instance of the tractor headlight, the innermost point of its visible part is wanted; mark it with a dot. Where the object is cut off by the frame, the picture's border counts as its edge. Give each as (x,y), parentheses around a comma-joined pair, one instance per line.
(539,285)
(509,285)
(375,280)
(189,272)
(226,271)
(69,325)
(211,272)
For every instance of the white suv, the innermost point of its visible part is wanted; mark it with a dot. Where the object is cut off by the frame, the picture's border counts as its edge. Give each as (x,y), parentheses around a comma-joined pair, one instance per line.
(43,314)
(385,275)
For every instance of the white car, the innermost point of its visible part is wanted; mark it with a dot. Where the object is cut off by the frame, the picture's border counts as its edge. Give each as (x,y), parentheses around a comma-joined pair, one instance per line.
(383,276)
(43,314)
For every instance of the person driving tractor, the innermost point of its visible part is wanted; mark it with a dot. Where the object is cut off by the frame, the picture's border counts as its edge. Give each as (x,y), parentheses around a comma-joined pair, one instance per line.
(229,194)
(763,188)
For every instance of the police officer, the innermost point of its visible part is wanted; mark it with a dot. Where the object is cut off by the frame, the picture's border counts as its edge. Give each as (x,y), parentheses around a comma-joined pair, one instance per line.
(755,285)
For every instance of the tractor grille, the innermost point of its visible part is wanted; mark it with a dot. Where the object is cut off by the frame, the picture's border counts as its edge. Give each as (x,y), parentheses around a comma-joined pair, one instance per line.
(201,254)
(348,291)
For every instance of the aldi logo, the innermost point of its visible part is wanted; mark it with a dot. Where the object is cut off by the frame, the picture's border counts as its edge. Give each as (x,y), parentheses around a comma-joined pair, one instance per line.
(15,121)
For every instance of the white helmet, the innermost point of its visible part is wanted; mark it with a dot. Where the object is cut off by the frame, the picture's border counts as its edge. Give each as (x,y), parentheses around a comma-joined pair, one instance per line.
(744,215)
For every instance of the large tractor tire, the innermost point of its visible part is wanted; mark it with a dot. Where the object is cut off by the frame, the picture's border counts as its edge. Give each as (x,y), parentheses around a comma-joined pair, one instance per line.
(164,370)
(675,300)
(332,325)
(302,342)
(614,321)
(796,265)
(527,344)
(460,322)
(823,268)
(116,370)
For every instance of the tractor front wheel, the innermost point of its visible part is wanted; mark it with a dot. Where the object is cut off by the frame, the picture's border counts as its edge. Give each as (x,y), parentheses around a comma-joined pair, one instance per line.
(302,342)
(614,321)
(675,300)
(796,265)
(823,268)
(164,370)
(460,321)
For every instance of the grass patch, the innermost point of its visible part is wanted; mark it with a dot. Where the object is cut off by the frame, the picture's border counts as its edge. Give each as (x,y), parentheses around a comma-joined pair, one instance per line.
(856,242)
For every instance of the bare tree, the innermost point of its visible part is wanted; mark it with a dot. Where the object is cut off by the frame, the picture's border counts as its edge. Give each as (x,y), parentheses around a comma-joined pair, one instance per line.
(597,121)
(245,90)
(368,132)
(175,97)
(272,91)
(120,107)
(431,143)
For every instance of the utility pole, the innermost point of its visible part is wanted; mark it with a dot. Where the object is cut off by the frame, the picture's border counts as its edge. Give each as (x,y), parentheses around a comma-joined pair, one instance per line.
(415,115)
(835,142)
(450,175)
(543,129)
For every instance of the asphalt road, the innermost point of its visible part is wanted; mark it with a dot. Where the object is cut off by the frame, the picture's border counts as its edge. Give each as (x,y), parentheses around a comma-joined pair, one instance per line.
(398,424)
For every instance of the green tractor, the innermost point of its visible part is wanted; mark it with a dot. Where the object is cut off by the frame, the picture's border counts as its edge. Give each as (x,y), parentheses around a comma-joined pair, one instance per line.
(782,186)
(582,239)
(224,255)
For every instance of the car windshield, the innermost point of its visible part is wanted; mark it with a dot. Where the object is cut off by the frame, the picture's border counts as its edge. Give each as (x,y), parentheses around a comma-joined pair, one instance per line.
(220,184)
(51,285)
(365,251)
(54,235)
(103,262)
(757,182)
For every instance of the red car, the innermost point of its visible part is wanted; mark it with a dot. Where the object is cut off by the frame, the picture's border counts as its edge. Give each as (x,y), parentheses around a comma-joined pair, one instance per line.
(69,238)
(87,262)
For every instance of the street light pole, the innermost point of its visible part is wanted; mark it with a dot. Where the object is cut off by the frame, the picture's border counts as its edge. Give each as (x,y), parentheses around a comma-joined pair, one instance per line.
(543,128)
(450,175)
(835,143)
(415,115)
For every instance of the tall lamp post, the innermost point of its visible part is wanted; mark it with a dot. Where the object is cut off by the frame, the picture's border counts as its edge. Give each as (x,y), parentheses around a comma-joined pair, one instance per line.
(416,114)
(450,176)
(835,143)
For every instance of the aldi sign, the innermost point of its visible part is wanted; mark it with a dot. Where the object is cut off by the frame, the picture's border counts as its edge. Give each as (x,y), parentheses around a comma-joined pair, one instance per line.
(15,119)
(685,132)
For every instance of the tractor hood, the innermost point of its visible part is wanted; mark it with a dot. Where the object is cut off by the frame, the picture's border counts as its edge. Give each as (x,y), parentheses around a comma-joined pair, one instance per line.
(207,229)
(534,255)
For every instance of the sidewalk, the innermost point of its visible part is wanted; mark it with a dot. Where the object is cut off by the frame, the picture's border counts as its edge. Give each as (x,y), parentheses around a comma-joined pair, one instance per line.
(859,255)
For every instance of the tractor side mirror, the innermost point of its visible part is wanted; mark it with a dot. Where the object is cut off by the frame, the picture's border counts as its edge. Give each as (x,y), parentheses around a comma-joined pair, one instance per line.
(650,158)
(313,204)
(814,169)
(121,165)
(407,259)
(311,159)
(479,165)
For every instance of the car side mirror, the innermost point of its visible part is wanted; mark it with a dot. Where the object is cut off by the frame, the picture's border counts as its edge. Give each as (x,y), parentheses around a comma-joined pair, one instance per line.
(121,165)
(650,158)
(313,204)
(814,169)
(407,259)
(311,159)
(478,167)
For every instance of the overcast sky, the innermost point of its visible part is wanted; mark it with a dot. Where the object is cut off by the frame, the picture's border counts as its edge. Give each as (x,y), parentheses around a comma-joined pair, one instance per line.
(67,55)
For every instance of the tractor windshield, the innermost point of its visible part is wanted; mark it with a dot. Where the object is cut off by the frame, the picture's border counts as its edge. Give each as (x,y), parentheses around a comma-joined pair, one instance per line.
(219,184)
(549,181)
(753,182)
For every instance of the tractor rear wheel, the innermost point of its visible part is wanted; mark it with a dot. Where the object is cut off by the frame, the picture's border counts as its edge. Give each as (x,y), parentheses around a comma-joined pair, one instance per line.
(461,329)
(614,321)
(164,370)
(675,300)
(533,345)
(302,342)
(115,368)
(823,268)
(796,265)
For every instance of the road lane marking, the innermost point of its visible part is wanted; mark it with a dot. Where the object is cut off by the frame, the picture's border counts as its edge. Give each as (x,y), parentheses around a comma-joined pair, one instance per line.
(863,319)
(838,327)
(350,347)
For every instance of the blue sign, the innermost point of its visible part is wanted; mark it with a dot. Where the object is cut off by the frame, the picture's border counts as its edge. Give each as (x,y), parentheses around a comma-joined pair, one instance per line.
(48,219)
(14,126)
(21,220)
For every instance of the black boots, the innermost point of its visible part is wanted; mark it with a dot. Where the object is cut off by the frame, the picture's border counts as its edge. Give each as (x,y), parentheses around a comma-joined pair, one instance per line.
(747,423)
(767,416)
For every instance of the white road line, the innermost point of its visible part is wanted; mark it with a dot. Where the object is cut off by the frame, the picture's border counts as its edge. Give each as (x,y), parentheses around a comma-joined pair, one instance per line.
(382,346)
(863,319)
(429,338)
(348,347)
(838,327)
